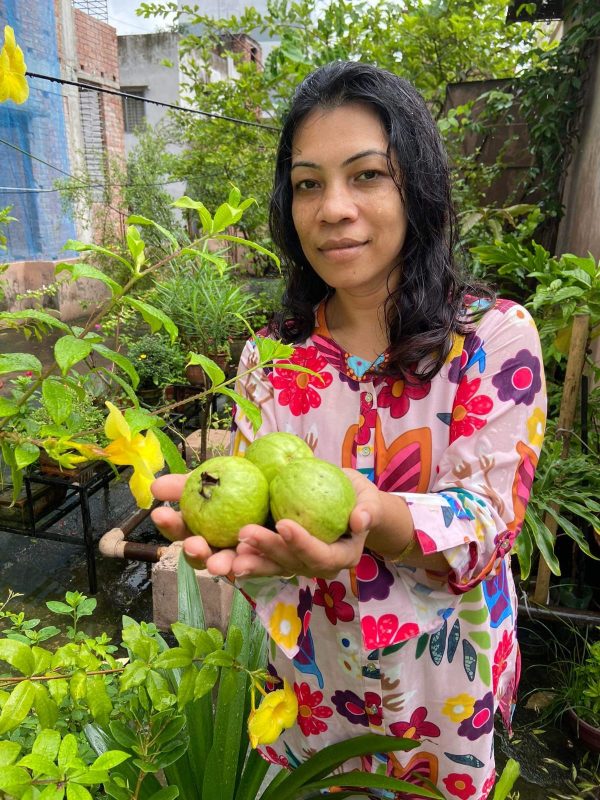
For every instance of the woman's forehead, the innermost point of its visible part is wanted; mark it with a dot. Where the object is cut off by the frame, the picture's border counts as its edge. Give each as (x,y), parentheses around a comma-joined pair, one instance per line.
(339,132)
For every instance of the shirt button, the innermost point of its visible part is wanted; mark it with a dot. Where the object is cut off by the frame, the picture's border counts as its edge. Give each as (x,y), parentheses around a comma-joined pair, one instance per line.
(365,451)
(369,397)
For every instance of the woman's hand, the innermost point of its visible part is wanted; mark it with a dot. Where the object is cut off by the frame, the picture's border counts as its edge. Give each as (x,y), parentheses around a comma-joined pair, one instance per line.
(261,552)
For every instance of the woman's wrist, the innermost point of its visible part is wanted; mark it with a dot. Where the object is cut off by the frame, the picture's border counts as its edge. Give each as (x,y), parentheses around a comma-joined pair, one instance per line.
(393,536)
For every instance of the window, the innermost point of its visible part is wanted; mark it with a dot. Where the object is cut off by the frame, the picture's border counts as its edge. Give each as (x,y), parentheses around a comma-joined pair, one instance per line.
(134,111)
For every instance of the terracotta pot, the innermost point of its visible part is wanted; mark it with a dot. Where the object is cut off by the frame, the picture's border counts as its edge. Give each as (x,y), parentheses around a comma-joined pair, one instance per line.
(195,375)
(587,734)
(150,397)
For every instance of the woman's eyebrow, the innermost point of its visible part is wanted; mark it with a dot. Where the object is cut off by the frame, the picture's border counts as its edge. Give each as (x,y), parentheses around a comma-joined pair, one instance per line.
(349,160)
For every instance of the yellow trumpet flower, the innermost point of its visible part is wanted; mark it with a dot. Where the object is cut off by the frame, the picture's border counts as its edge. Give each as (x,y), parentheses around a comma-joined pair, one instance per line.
(13,85)
(141,452)
(278,710)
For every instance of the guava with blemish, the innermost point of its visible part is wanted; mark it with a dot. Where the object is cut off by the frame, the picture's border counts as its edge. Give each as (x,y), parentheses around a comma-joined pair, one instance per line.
(316,494)
(274,451)
(221,496)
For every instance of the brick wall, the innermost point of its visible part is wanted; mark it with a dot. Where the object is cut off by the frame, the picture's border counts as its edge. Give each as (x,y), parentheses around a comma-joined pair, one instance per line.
(98,63)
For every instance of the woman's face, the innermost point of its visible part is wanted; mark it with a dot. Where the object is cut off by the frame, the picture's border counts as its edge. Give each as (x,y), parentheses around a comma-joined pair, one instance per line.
(346,207)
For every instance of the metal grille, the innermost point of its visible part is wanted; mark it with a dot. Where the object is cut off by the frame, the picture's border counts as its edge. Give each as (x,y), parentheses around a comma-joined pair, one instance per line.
(134,111)
(93,140)
(95,8)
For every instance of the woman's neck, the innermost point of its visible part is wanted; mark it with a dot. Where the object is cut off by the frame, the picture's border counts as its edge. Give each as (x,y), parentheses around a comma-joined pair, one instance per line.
(358,324)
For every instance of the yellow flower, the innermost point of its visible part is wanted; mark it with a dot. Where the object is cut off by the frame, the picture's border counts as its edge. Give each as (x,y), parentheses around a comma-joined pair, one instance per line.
(536,425)
(278,710)
(143,453)
(285,625)
(13,85)
(459,707)
(143,355)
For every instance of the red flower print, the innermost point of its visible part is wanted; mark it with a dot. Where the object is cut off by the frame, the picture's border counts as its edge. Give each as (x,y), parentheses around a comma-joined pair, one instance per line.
(366,422)
(468,408)
(396,395)
(299,390)
(386,630)
(504,649)
(310,712)
(331,597)
(270,755)
(488,785)
(416,727)
(459,784)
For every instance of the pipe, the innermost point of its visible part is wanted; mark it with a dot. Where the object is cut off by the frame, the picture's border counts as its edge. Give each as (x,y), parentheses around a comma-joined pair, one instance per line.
(113,543)
(559,613)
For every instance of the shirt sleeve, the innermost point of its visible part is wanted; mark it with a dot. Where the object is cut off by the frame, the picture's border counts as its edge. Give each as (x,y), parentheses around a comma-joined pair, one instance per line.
(476,505)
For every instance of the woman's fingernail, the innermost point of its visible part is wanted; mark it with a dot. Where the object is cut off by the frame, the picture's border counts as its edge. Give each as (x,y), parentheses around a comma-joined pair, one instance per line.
(284,532)
(241,573)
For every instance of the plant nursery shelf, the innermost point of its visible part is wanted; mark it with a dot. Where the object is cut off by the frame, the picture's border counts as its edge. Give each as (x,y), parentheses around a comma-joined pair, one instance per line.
(31,517)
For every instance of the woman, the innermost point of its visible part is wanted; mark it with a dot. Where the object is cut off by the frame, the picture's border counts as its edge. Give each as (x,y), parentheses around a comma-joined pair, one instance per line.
(431,394)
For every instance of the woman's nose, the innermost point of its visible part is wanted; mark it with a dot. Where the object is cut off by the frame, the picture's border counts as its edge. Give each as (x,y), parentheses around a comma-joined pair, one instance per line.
(337,204)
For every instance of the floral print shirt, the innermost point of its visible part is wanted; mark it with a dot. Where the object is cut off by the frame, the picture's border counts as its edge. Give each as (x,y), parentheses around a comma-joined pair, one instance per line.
(384,647)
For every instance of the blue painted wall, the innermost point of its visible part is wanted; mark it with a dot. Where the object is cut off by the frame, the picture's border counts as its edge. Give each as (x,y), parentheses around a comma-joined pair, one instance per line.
(38,127)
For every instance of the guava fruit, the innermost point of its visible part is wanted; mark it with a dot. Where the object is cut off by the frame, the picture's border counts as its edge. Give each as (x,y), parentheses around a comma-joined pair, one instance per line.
(272,452)
(316,494)
(221,496)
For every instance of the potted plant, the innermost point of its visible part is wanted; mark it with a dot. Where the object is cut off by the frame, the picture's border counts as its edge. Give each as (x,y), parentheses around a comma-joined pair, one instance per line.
(158,363)
(583,697)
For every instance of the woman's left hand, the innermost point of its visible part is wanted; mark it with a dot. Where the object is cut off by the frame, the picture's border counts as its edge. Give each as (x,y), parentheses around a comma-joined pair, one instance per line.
(294,551)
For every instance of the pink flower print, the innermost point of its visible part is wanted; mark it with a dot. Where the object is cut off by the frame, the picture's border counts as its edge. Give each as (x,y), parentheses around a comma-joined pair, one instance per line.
(397,395)
(386,630)
(310,711)
(359,710)
(503,651)
(417,727)
(331,598)
(299,390)
(366,423)
(468,408)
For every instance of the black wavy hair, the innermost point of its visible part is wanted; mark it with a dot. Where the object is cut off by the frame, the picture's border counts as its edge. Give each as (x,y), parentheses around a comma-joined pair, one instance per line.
(427,306)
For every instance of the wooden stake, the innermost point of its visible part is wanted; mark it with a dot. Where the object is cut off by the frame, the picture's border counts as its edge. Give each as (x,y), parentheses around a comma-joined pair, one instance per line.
(568,406)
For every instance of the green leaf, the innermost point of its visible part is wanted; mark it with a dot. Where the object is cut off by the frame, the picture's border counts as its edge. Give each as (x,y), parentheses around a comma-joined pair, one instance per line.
(40,764)
(189,601)
(507,780)
(110,759)
(83,270)
(59,608)
(356,779)
(17,707)
(214,371)
(25,454)
(523,547)
(45,707)
(18,655)
(154,317)
(205,680)
(77,792)
(544,541)
(203,212)
(123,384)
(171,453)
(166,793)
(136,246)
(98,699)
(252,412)
(174,658)
(120,360)
(67,751)
(253,246)
(36,316)
(69,350)
(137,219)
(140,419)
(11,778)
(81,247)
(20,362)
(8,408)
(57,400)
(9,752)
(47,743)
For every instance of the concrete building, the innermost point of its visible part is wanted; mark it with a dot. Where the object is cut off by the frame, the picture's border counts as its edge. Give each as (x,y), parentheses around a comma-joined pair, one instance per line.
(59,132)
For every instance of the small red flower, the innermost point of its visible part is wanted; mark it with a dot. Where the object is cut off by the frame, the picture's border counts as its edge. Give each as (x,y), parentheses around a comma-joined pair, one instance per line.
(310,713)
(488,785)
(331,597)
(468,408)
(366,423)
(504,649)
(416,727)
(299,390)
(396,395)
(459,784)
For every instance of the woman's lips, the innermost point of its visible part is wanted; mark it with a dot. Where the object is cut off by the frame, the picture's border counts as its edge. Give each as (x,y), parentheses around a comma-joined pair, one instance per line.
(343,250)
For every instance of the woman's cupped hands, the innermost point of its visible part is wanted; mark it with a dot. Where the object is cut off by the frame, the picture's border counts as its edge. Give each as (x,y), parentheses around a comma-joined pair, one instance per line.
(261,552)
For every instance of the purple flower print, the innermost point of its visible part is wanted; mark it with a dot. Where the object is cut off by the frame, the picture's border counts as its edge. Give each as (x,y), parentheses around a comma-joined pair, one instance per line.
(472,353)
(373,578)
(519,378)
(481,720)
(358,710)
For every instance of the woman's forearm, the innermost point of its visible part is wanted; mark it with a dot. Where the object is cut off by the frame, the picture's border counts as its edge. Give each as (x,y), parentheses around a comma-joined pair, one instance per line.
(395,532)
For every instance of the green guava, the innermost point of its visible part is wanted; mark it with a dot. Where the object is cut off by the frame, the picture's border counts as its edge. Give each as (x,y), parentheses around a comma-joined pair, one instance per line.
(316,494)
(272,452)
(221,496)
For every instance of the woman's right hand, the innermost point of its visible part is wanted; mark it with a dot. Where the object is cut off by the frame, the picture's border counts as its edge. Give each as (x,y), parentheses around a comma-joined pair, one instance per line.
(170,523)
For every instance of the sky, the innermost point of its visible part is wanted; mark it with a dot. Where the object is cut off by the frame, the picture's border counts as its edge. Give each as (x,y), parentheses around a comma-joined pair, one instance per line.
(121,14)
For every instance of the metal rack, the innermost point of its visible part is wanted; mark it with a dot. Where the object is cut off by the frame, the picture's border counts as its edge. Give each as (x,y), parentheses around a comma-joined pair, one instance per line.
(95,8)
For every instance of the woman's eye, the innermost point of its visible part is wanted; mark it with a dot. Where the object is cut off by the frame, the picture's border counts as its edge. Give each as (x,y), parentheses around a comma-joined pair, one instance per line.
(305,184)
(368,175)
